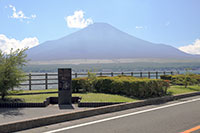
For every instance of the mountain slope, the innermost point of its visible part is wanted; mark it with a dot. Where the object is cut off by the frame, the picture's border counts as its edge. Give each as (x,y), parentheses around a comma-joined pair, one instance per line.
(102,41)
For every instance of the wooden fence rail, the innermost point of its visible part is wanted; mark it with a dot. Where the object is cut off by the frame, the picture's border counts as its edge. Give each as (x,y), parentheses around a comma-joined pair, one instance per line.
(47,78)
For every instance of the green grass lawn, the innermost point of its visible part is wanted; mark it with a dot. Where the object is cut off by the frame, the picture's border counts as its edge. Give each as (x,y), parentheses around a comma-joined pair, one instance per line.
(94,97)
(86,97)
(173,90)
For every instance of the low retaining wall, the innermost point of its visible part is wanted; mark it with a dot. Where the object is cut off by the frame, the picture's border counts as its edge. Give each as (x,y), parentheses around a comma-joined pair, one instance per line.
(17,105)
(54,100)
(96,104)
(50,100)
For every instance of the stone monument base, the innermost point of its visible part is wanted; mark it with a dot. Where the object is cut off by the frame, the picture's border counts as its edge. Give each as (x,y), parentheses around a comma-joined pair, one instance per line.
(64,98)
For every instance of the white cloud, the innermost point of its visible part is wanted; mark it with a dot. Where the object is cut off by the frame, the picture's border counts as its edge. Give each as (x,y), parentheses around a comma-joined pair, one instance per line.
(139,27)
(20,15)
(6,44)
(192,48)
(77,20)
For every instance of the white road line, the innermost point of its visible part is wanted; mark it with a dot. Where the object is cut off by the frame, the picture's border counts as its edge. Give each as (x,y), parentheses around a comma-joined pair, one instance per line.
(121,116)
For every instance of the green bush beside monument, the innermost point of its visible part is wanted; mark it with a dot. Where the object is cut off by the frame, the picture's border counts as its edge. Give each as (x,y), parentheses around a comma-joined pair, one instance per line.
(122,85)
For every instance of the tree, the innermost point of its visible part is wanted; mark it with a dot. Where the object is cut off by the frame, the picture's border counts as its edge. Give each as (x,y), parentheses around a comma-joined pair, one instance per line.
(188,80)
(91,80)
(11,73)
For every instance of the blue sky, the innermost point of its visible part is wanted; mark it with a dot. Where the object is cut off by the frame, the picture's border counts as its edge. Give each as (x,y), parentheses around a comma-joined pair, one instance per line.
(172,22)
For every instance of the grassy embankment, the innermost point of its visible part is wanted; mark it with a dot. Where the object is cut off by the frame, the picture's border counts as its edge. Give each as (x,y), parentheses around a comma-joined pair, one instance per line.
(96,97)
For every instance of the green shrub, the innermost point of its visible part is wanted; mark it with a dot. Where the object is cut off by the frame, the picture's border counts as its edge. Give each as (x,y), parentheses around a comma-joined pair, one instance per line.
(124,85)
(182,79)
(178,79)
(80,85)
(103,85)
(197,78)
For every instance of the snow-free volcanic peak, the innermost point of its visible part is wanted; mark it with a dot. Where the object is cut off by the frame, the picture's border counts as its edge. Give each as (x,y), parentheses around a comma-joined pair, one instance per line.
(102,41)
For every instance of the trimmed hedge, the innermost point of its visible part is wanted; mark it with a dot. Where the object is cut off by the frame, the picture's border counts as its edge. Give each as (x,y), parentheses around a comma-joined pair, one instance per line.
(123,85)
(80,84)
(181,79)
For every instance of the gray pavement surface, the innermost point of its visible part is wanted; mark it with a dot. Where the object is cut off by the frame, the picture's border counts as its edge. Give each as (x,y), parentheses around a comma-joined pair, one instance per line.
(16,114)
(173,119)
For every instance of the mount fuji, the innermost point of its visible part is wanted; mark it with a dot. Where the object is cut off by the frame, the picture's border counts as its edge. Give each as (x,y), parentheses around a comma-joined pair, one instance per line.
(102,41)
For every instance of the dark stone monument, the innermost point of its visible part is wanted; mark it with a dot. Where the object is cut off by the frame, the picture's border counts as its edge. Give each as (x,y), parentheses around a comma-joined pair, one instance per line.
(64,86)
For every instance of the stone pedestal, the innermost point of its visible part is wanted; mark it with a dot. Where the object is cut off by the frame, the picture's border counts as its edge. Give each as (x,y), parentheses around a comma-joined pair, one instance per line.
(64,86)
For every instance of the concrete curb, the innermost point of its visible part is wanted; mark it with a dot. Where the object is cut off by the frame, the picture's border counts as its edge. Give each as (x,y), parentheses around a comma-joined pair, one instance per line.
(96,104)
(52,119)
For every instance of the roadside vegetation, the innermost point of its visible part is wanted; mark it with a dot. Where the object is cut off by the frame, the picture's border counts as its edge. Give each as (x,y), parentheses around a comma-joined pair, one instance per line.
(182,79)
(95,97)
(11,73)
(122,85)
(118,89)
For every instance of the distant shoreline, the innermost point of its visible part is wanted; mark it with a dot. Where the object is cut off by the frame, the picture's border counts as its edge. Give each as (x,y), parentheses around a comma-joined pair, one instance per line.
(105,61)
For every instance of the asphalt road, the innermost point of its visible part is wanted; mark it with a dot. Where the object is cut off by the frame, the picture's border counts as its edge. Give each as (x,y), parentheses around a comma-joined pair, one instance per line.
(173,117)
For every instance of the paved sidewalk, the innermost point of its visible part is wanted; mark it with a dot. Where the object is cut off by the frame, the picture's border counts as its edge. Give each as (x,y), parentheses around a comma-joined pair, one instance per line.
(16,114)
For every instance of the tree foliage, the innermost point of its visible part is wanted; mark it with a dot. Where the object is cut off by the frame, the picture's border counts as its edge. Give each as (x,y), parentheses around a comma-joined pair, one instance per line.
(11,73)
